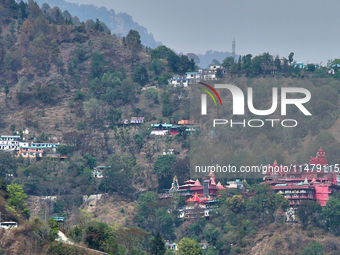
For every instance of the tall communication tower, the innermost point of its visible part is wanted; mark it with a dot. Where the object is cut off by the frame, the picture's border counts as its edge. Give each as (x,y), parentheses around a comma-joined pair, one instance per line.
(233,49)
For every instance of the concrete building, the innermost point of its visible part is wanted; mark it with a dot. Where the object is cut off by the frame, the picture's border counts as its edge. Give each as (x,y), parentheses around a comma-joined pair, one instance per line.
(314,181)
(9,142)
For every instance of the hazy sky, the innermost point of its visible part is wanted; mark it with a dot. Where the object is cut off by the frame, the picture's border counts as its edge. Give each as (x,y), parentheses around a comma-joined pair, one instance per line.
(309,28)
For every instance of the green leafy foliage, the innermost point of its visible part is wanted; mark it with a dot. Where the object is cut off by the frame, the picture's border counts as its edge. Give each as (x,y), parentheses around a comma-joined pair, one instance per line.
(100,236)
(331,215)
(98,64)
(140,75)
(8,164)
(64,150)
(91,161)
(309,212)
(104,77)
(119,175)
(133,40)
(17,199)
(176,64)
(163,169)
(188,246)
(157,245)
(313,248)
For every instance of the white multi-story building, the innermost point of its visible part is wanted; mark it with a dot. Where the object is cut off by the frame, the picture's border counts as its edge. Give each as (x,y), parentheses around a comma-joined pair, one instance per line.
(179,81)
(9,142)
(34,150)
(194,76)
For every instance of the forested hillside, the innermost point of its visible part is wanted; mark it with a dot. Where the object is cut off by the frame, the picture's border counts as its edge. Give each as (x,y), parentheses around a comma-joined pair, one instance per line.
(118,23)
(76,84)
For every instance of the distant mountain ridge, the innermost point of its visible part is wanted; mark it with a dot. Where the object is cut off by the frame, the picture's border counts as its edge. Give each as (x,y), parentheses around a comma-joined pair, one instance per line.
(209,56)
(121,23)
(118,23)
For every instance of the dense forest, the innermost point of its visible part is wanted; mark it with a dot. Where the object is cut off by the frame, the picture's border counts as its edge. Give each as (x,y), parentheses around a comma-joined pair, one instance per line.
(75,83)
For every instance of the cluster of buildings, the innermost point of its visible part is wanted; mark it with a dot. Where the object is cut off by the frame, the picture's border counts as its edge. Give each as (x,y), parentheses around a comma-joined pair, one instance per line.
(170,152)
(13,143)
(98,171)
(200,198)
(314,181)
(134,120)
(173,129)
(195,77)
(9,142)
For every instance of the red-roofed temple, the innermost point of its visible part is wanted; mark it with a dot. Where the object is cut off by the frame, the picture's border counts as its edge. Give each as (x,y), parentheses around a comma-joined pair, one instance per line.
(313,181)
(201,198)
(208,189)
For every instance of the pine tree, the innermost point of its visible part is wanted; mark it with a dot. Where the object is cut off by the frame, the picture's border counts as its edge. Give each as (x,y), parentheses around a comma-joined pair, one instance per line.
(6,90)
(157,245)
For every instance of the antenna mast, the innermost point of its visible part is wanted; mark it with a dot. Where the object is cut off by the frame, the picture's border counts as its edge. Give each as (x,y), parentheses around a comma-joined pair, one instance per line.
(233,49)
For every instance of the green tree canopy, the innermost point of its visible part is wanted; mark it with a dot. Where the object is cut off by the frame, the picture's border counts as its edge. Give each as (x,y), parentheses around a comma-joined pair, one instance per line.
(163,169)
(157,245)
(331,215)
(133,40)
(308,212)
(189,246)
(17,198)
(313,248)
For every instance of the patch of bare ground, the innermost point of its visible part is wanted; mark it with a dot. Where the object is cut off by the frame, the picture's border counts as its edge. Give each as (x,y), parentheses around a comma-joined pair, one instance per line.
(335,129)
(113,209)
(290,239)
(37,207)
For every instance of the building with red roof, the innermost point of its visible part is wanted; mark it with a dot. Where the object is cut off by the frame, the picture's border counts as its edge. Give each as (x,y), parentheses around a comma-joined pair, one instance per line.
(209,187)
(320,158)
(314,181)
(201,197)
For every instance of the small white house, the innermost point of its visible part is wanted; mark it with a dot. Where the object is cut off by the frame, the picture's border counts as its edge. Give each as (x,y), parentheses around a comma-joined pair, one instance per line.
(97,174)
(170,152)
(179,81)
(137,120)
(215,67)
(171,246)
(159,132)
(194,76)
(9,142)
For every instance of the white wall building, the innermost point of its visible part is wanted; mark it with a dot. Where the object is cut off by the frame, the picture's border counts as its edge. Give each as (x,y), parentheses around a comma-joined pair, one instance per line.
(194,76)
(179,81)
(215,67)
(9,142)
(159,132)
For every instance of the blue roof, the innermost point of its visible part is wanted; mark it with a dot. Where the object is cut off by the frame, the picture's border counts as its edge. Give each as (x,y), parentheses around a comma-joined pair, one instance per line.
(180,78)
(163,125)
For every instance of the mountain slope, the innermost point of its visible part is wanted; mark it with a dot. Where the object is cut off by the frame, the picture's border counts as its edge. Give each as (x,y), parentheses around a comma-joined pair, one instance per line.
(119,23)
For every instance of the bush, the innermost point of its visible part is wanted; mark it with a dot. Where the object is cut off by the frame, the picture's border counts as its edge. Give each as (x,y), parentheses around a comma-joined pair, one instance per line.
(64,150)
(313,248)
